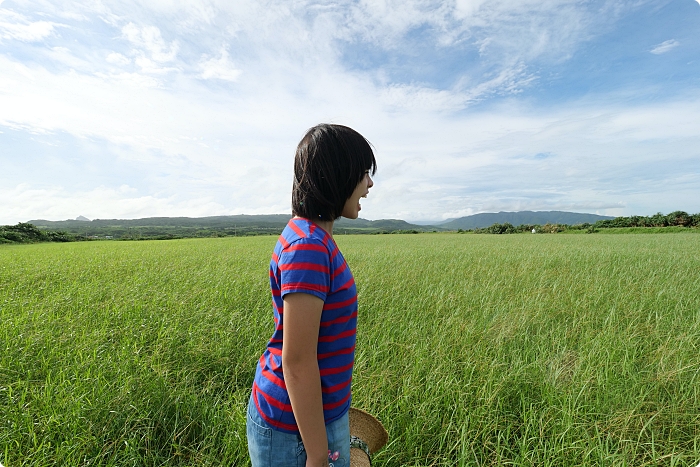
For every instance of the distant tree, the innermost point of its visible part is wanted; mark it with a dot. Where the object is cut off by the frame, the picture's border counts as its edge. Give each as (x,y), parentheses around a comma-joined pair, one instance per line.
(506,228)
(658,220)
(29,233)
(679,218)
(695,220)
(676,218)
(638,221)
(553,228)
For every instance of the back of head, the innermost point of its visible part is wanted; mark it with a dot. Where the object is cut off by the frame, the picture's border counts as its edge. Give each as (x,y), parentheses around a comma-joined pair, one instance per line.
(329,163)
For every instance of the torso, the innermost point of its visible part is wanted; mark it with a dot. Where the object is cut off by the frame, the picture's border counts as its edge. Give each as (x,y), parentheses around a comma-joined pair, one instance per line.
(307,260)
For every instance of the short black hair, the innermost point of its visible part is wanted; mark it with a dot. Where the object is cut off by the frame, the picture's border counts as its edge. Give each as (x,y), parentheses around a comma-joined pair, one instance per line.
(329,163)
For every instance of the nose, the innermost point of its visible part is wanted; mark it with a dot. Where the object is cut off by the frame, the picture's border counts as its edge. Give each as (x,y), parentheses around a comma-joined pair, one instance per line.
(370,183)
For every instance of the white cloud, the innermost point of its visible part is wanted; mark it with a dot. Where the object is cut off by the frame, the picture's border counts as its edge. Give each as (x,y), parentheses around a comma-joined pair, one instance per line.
(422,99)
(509,80)
(665,47)
(466,8)
(66,57)
(18,27)
(149,66)
(151,49)
(118,59)
(219,68)
(522,29)
(149,38)
(128,80)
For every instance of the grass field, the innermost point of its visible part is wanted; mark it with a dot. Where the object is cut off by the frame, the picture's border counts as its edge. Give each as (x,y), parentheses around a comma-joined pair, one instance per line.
(532,350)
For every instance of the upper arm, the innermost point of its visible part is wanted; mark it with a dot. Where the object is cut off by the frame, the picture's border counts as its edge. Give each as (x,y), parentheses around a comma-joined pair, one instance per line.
(302,319)
(305,267)
(304,285)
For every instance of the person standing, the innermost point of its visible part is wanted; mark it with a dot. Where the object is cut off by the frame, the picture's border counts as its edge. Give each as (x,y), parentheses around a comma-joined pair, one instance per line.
(298,409)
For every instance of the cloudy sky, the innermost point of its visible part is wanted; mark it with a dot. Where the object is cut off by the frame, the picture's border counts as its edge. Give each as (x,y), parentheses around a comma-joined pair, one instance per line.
(121,109)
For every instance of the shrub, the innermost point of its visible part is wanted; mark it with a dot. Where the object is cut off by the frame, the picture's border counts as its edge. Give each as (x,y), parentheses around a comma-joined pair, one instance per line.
(695,220)
(680,218)
(553,228)
(29,233)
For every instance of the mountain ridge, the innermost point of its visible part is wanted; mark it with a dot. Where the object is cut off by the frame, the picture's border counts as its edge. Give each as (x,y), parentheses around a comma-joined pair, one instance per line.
(486,219)
(271,223)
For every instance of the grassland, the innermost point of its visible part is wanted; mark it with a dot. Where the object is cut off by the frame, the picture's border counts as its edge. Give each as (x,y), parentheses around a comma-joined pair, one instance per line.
(546,350)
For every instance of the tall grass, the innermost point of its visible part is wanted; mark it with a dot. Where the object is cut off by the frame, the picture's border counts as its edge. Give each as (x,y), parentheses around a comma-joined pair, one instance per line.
(542,350)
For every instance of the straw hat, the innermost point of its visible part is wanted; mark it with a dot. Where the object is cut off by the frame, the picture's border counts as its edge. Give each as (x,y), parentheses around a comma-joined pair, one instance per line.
(367,436)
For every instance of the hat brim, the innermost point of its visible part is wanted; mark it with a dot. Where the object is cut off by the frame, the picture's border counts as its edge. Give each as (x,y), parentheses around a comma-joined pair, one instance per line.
(368,429)
(359,458)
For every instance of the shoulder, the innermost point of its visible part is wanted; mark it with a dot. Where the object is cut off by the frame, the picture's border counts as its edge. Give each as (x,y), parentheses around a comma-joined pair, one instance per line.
(302,234)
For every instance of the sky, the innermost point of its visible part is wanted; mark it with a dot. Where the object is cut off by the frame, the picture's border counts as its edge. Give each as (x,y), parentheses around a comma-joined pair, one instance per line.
(126,109)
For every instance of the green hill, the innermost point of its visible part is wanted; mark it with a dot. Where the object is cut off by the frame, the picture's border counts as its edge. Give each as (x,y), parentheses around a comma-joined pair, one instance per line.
(487,219)
(213,226)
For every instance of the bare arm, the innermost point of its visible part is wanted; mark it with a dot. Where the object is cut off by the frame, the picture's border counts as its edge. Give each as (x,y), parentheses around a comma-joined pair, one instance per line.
(302,318)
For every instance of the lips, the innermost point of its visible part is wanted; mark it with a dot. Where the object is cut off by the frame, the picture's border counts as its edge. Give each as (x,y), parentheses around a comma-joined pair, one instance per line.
(359,207)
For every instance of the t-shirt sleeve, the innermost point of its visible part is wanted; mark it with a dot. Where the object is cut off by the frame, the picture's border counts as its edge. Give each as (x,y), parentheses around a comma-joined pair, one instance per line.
(305,267)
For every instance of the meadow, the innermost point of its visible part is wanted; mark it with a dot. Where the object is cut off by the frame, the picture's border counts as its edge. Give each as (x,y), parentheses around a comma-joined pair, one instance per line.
(473,350)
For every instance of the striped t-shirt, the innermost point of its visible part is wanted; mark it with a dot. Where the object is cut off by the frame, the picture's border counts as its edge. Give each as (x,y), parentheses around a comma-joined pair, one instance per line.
(307,260)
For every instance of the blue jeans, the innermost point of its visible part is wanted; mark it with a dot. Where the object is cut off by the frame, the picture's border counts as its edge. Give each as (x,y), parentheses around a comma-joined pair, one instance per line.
(273,448)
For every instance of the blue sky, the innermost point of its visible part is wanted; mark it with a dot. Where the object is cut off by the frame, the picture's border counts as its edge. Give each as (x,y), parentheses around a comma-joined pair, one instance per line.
(139,109)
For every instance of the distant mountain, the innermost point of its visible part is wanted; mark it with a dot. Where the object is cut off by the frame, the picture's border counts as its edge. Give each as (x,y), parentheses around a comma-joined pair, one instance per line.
(486,219)
(171,227)
(267,220)
(381,224)
(432,223)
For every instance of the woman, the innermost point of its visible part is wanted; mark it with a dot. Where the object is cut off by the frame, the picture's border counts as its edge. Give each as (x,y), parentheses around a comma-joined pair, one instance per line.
(298,410)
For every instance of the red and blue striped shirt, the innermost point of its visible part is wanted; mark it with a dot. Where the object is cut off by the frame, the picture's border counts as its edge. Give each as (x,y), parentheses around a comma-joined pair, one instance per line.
(307,260)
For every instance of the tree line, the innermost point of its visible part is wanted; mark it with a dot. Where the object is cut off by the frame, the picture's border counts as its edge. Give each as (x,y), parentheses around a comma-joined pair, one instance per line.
(676,218)
(673,219)
(29,233)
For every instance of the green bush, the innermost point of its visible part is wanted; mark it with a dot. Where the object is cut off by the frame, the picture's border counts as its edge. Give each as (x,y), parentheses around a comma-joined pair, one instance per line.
(505,228)
(29,233)
(680,218)
(676,218)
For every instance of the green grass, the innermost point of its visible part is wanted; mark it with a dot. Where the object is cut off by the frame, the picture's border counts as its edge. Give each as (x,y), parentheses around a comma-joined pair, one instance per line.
(546,350)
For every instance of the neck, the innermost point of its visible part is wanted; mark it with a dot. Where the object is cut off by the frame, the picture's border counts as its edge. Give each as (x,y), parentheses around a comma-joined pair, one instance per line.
(326,225)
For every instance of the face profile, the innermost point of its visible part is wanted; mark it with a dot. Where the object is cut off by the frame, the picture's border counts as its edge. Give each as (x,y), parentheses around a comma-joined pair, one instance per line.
(352,207)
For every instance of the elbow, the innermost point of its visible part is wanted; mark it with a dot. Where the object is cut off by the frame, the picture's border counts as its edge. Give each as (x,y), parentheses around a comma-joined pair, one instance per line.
(299,367)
